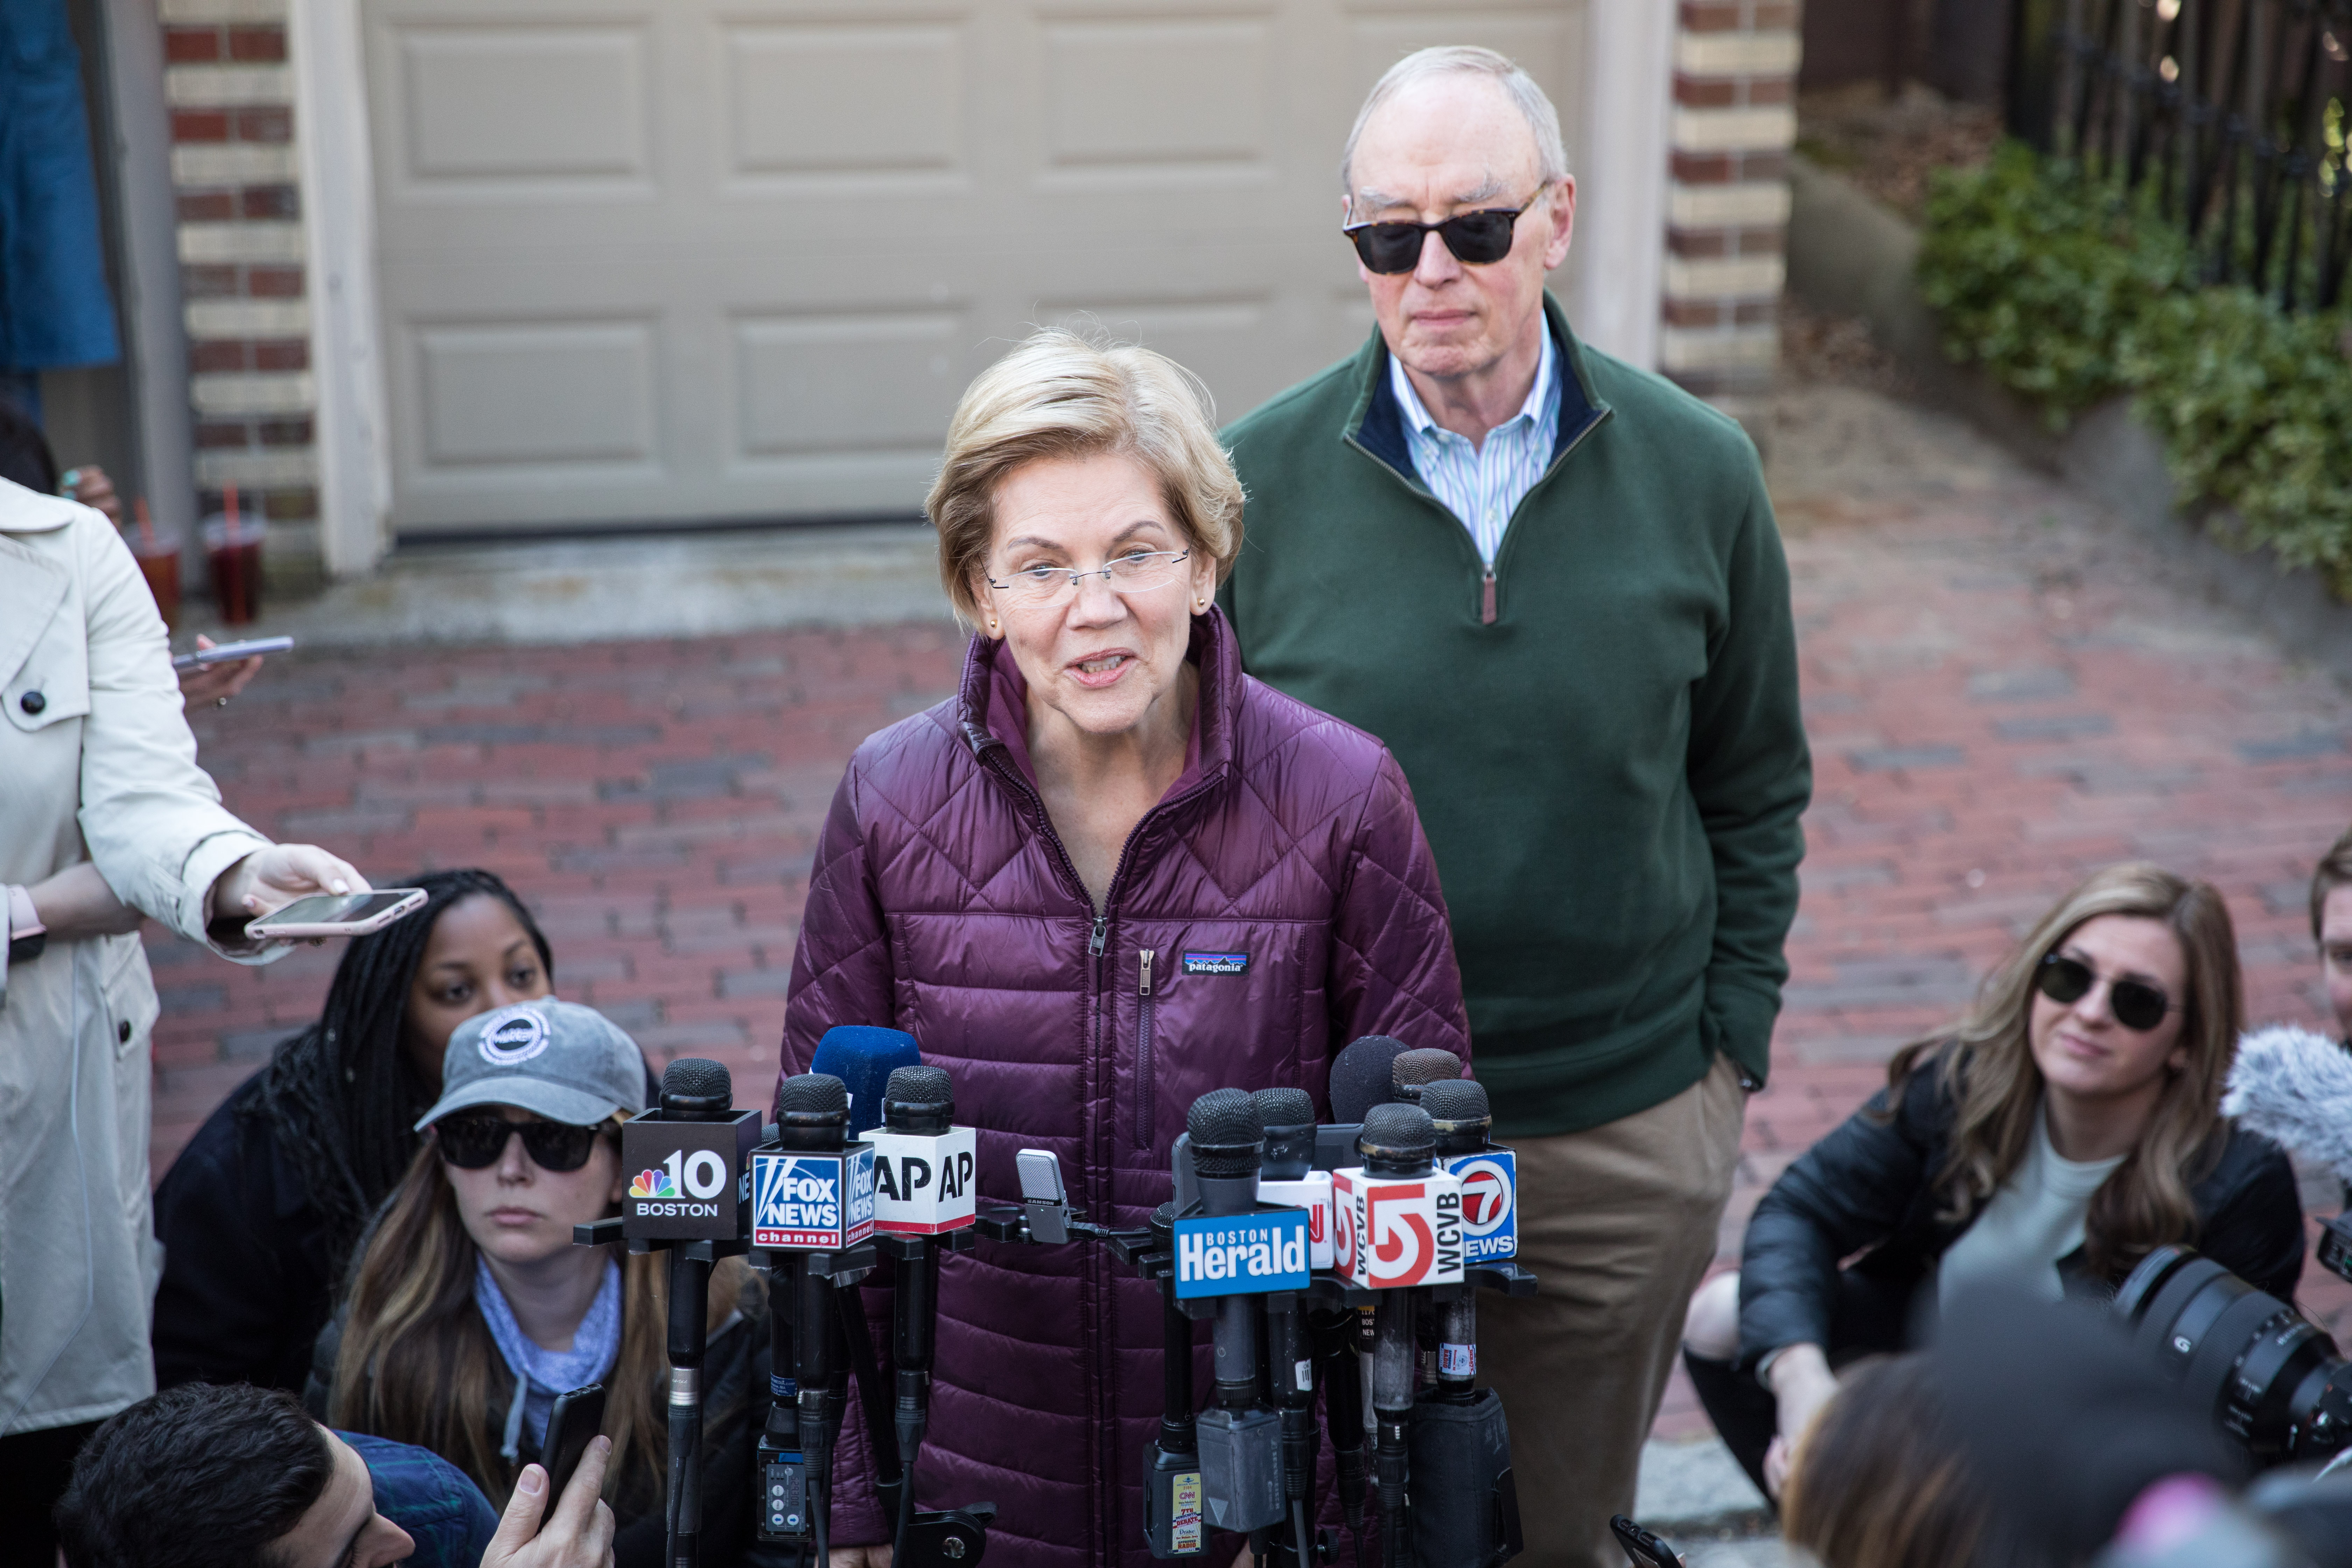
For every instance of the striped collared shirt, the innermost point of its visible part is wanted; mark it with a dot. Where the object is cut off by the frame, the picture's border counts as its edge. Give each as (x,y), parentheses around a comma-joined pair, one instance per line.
(1485,484)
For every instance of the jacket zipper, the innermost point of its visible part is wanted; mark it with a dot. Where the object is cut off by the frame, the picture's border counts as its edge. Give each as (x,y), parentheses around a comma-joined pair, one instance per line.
(1143,1049)
(1097,942)
(1488,607)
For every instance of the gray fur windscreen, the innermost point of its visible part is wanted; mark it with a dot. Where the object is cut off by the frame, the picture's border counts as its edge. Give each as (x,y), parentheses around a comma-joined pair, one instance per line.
(2294,1088)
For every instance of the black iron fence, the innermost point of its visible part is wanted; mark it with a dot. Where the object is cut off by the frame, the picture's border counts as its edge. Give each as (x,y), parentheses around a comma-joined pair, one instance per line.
(2225,118)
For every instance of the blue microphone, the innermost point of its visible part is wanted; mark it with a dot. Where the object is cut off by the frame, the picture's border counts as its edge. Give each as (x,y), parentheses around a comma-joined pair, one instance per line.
(863,1057)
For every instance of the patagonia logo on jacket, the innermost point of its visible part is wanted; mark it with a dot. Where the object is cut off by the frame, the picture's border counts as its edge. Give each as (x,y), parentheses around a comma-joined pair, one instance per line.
(1216,963)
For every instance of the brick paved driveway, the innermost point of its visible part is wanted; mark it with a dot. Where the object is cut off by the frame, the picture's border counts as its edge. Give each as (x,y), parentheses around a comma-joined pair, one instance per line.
(2002,688)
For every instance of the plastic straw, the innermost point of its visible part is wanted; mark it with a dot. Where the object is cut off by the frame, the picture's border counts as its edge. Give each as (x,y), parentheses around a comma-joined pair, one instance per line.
(146,529)
(228,504)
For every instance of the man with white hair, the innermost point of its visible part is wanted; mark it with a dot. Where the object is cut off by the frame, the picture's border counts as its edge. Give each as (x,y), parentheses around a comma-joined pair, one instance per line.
(1552,583)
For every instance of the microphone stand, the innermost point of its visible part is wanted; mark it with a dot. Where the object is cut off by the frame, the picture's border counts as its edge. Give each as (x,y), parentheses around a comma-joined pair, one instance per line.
(690,1340)
(695,1110)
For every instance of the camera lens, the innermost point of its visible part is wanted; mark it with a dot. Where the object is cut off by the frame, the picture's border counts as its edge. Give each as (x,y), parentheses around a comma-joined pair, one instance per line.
(2270,1378)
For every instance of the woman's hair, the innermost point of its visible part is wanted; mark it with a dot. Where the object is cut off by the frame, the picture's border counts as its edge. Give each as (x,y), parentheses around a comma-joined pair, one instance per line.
(2333,872)
(418,1363)
(1878,1480)
(1987,1064)
(342,1092)
(1060,395)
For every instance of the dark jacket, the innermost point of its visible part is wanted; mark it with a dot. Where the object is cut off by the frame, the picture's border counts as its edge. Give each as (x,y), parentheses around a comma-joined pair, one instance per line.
(249,1278)
(444,1512)
(250,1270)
(942,903)
(735,1408)
(1602,733)
(1865,1188)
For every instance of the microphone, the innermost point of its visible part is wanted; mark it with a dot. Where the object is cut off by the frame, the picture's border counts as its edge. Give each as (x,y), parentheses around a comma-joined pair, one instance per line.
(1288,1178)
(1391,1201)
(863,1056)
(1488,1172)
(923,1188)
(2294,1088)
(690,1152)
(1174,1522)
(922,1165)
(1414,1070)
(1287,1116)
(1464,1501)
(1230,1243)
(1363,1076)
(812,1198)
(696,1090)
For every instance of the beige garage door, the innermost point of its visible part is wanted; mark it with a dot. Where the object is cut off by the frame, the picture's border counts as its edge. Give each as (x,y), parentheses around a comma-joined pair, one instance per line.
(678,260)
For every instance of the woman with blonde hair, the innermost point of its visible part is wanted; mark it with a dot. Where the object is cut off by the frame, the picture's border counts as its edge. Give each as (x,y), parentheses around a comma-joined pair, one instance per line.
(2067,1126)
(1111,874)
(471,1308)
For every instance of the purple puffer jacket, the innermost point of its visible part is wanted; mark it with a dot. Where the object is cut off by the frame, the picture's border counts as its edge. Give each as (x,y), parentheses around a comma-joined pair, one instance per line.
(1282,899)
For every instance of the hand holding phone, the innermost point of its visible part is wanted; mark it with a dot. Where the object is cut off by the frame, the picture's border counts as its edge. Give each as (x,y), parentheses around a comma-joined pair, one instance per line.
(577,1418)
(228,653)
(338,914)
(1644,1549)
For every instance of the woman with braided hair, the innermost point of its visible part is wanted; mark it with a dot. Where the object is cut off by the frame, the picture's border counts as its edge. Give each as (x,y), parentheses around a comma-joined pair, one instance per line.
(260,1214)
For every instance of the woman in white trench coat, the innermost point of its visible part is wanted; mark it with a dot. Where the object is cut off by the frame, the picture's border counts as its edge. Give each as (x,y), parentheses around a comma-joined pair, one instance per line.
(104,817)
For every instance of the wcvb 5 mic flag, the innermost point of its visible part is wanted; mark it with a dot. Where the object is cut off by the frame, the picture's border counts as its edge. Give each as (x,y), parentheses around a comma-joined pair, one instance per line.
(1400,1232)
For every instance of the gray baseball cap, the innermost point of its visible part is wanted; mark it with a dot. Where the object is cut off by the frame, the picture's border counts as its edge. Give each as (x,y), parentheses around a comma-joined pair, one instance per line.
(567,1062)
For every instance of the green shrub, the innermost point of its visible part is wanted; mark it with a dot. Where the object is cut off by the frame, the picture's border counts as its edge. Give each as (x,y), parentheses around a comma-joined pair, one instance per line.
(2043,278)
(2068,296)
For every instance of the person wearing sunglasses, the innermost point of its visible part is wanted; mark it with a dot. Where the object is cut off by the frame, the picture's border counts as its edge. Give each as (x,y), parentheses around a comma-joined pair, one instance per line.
(2066,1125)
(470,1307)
(1550,583)
(1111,874)
(261,1213)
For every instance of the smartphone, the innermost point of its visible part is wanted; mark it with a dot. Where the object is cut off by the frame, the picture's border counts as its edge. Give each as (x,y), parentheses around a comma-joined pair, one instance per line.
(338,914)
(577,1418)
(1646,1550)
(228,651)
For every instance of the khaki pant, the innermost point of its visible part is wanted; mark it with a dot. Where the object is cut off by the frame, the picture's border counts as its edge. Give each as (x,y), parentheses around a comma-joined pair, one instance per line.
(1618,1223)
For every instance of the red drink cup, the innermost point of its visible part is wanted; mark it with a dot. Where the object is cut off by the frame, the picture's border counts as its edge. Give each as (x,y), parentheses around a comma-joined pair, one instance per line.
(233,555)
(159,563)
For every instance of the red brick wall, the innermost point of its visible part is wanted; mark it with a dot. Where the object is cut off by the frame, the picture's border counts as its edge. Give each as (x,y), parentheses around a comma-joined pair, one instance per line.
(235,170)
(1727,201)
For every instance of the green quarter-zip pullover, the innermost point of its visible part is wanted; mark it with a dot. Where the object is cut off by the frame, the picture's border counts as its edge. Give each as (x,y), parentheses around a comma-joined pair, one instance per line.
(1602,729)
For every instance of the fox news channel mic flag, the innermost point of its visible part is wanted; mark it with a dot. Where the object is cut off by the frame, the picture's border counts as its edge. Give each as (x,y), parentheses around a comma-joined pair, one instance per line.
(813,1203)
(689,1178)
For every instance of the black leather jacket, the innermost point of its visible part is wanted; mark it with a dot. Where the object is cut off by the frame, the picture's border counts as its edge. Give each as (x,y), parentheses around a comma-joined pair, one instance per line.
(1865,1188)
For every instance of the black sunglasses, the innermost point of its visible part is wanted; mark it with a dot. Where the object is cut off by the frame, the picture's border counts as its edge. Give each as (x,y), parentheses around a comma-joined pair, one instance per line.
(1475,238)
(2136,1004)
(476,1143)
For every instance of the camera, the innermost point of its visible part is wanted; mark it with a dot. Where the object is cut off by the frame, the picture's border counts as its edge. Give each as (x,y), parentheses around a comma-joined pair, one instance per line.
(2272,1379)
